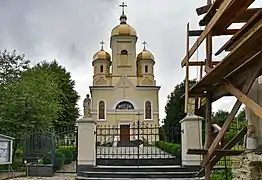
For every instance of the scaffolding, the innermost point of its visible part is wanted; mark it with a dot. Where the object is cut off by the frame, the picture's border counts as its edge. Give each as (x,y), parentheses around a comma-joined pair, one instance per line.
(233,75)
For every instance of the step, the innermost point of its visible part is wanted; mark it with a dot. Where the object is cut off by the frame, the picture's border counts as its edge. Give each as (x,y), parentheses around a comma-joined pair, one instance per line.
(137,174)
(146,169)
(94,178)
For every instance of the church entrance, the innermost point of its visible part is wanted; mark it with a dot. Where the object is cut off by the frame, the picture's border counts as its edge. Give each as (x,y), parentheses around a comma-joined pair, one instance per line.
(124,133)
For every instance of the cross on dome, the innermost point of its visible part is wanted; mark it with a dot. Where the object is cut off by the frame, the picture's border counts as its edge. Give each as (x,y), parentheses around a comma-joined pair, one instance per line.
(144,43)
(123,5)
(102,45)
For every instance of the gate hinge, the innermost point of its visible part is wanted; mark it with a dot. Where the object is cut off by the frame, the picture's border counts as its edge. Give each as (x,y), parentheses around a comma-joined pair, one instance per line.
(94,132)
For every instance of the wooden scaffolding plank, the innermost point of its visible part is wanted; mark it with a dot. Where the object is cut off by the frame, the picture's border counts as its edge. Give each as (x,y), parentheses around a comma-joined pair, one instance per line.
(230,117)
(214,33)
(223,152)
(208,28)
(245,49)
(240,33)
(229,145)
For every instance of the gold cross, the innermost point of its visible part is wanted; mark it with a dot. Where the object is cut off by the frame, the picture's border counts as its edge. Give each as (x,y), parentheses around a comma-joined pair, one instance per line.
(123,5)
(102,44)
(144,43)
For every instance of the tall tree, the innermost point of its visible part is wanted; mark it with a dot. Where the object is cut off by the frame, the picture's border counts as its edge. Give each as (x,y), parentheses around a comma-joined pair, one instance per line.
(174,110)
(11,66)
(68,97)
(29,104)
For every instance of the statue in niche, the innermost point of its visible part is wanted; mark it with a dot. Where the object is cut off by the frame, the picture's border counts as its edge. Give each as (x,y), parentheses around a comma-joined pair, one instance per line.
(87,106)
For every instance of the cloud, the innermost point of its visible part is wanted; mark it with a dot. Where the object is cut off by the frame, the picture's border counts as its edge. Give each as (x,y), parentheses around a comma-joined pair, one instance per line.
(70,31)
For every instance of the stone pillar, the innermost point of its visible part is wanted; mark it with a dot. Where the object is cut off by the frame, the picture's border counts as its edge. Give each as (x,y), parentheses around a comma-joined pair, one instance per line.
(191,137)
(86,144)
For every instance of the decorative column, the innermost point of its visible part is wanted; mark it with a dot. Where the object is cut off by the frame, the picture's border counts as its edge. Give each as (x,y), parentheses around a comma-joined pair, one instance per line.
(191,137)
(86,139)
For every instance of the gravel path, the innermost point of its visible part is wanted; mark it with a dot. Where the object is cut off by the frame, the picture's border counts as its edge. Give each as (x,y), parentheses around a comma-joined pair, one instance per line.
(58,176)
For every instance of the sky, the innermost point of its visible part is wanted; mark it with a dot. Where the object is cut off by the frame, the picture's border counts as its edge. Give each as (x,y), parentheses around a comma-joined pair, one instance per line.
(70,31)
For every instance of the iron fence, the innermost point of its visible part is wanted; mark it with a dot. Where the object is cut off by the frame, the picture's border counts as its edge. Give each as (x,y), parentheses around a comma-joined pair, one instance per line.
(138,143)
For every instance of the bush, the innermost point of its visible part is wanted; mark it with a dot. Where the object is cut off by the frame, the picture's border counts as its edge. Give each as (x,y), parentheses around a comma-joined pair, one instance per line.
(68,153)
(46,159)
(222,174)
(171,148)
(59,160)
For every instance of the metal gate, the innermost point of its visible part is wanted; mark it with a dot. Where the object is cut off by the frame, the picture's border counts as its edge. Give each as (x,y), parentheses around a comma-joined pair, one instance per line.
(66,151)
(136,144)
(56,148)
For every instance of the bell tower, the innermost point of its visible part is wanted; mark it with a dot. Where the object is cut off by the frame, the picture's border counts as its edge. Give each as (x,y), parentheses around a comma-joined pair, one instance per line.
(123,45)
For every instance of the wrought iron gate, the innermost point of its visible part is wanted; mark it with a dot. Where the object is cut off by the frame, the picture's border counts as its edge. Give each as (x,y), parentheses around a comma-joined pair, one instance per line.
(138,143)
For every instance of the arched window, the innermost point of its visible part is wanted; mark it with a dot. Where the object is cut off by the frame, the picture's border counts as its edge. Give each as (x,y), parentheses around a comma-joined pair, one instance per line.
(146,68)
(101,68)
(124,52)
(124,105)
(101,110)
(148,110)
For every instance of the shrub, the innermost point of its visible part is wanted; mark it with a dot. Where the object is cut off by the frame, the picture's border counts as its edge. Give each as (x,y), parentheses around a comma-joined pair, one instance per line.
(46,159)
(222,174)
(59,160)
(68,153)
(171,148)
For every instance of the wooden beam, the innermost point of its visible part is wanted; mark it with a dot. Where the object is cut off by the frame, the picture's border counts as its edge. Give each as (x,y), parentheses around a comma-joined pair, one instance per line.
(203,9)
(241,18)
(187,72)
(257,109)
(202,63)
(223,152)
(208,28)
(229,145)
(210,13)
(230,117)
(245,49)
(240,33)
(235,10)
(244,17)
(227,32)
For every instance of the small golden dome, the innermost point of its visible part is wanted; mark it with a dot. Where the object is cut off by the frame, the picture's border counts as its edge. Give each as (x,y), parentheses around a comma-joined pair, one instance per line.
(145,55)
(102,55)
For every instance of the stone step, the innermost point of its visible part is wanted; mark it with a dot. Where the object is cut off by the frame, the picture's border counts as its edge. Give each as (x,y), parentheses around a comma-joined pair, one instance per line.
(137,174)
(146,169)
(95,178)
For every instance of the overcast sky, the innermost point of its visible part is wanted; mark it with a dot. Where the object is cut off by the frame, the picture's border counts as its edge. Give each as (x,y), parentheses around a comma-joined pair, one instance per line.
(70,31)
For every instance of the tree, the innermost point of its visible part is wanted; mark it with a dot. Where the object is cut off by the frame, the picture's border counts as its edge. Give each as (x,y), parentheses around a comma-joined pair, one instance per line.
(174,110)
(11,66)
(68,97)
(220,117)
(29,104)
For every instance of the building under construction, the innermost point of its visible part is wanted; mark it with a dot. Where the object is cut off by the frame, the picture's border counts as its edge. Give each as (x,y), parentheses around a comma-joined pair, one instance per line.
(233,75)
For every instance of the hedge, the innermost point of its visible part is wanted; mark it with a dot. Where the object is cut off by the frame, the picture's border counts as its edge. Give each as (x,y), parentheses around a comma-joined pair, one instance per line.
(171,148)
(63,155)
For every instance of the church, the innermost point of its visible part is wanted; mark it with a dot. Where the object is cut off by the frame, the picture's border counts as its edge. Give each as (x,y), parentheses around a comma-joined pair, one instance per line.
(124,89)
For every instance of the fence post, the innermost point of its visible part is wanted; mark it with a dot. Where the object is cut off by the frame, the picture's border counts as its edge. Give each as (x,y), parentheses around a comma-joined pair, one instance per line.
(86,144)
(191,138)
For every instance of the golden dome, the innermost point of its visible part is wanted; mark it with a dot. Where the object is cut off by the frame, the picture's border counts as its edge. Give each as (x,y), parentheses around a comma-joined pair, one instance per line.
(102,55)
(145,55)
(123,28)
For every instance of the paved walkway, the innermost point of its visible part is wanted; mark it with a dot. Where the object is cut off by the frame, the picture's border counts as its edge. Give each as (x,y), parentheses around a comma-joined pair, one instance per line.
(58,176)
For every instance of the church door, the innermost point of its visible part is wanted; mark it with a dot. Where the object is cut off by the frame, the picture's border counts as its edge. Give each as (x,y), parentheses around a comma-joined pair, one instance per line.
(124,133)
